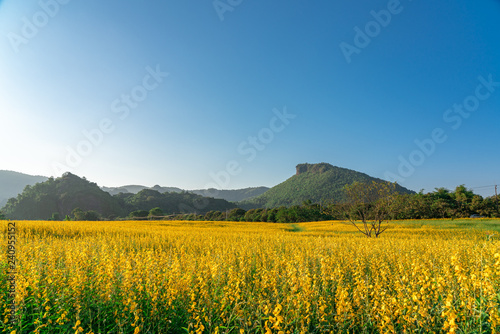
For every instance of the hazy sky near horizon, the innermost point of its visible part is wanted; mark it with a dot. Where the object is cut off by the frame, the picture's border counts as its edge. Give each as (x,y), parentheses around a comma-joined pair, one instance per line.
(236,93)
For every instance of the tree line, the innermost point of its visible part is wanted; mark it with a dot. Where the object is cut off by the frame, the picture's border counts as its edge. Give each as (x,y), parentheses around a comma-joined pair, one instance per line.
(443,203)
(373,201)
(363,202)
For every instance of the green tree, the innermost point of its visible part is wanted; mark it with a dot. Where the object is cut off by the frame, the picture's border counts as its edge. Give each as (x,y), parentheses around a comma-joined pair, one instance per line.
(476,204)
(91,215)
(489,207)
(271,215)
(138,214)
(440,207)
(236,214)
(219,216)
(253,215)
(78,214)
(212,215)
(156,212)
(282,215)
(56,216)
(264,215)
(463,198)
(2,216)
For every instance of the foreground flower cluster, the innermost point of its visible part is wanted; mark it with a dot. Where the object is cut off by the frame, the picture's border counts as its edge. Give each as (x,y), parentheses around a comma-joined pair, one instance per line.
(213,277)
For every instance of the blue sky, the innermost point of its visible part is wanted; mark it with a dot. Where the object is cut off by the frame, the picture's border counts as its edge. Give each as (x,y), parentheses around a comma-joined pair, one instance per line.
(235,93)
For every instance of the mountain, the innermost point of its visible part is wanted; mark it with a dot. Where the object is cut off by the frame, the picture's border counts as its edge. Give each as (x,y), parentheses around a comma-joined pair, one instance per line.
(235,195)
(312,182)
(134,189)
(315,182)
(172,202)
(66,193)
(61,195)
(13,183)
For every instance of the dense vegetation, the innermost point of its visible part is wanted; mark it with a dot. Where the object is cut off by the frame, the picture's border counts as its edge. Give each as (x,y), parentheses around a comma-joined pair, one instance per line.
(61,196)
(171,203)
(306,212)
(441,203)
(73,197)
(316,193)
(318,183)
(233,195)
(134,189)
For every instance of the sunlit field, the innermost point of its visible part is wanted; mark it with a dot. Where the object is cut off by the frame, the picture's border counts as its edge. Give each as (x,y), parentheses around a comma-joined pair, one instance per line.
(438,276)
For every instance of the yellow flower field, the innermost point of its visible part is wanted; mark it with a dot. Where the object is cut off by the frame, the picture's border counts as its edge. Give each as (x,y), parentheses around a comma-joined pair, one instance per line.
(224,277)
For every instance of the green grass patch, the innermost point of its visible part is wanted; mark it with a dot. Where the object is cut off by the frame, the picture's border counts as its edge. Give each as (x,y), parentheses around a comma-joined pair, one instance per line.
(487,225)
(296,228)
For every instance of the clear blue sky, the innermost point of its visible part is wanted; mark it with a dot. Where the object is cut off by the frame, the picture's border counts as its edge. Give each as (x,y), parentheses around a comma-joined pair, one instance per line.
(360,82)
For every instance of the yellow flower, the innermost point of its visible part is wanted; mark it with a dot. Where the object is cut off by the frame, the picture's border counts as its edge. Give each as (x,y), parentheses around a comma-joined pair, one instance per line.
(77,324)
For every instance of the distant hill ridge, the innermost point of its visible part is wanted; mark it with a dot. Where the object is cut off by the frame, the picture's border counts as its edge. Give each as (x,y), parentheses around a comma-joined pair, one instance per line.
(61,195)
(68,192)
(134,189)
(232,195)
(12,183)
(315,182)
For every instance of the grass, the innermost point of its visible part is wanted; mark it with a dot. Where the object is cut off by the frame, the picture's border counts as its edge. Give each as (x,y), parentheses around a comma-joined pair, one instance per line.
(296,228)
(478,224)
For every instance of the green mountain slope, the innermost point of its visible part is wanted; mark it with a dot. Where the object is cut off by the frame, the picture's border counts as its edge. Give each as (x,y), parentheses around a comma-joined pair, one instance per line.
(315,182)
(232,195)
(64,194)
(13,183)
(172,203)
(61,195)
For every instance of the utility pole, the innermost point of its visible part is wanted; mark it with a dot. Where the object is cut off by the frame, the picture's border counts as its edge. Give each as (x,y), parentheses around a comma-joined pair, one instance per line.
(496,196)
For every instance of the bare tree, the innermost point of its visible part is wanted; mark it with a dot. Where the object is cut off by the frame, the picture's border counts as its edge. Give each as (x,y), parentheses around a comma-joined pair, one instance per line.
(368,205)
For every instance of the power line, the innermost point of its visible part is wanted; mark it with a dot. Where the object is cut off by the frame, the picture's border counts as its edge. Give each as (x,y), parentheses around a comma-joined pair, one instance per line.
(493,185)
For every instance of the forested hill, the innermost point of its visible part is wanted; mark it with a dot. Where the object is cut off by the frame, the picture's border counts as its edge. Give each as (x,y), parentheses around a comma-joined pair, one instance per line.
(134,189)
(312,182)
(231,195)
(59,197)
(172,203)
